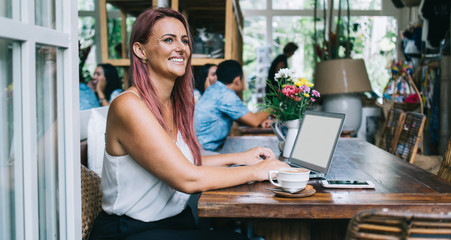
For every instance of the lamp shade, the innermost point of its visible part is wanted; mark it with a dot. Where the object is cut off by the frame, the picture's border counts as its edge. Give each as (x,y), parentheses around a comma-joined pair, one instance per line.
(341,76)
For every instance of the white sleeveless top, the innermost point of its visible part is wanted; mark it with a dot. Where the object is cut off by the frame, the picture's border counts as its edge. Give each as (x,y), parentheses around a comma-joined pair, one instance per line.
(128,189)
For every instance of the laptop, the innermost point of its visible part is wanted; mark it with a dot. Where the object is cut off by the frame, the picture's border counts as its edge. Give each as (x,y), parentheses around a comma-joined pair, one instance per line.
(316,141)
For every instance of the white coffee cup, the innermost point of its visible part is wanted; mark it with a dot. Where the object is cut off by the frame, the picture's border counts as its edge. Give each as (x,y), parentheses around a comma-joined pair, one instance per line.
(290,179)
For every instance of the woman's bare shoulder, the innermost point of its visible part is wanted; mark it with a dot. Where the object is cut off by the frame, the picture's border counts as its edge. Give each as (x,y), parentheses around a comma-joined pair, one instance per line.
(128,109)
(128,120)
(126,104)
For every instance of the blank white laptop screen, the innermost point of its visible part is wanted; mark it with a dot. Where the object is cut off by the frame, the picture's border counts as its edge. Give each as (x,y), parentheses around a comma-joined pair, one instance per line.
(316,140)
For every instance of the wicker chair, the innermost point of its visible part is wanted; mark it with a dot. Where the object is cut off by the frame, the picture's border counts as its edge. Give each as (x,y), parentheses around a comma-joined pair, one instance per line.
(409,135)
(384,224)
(389,130)
(445,168)
(91,199)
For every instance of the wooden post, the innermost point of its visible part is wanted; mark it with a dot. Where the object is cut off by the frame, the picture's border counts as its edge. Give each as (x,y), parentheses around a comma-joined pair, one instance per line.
(103,30)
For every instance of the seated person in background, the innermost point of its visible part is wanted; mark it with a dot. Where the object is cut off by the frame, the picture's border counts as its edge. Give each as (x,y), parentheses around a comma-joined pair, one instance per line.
(88,98)
(106,83)
(220,105)
(279,62)
(204,77)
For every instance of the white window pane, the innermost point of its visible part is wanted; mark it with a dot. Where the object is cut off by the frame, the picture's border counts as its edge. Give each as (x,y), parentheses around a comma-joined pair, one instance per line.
(111,7)
(7,190)
(86,5)
(47,124)
(256,58)
(300,31)
(254,38)
(374,40)
(6,8)
(360,4)
(253,4)
(114,23)
(114,29)
(293,5)
(86,39)
(45,13)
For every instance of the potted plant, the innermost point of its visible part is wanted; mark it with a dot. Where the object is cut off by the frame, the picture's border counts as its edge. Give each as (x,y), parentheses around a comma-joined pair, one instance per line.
(290,97)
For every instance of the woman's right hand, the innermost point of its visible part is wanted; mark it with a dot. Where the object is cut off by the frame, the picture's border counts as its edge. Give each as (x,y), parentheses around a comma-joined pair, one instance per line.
(266,165)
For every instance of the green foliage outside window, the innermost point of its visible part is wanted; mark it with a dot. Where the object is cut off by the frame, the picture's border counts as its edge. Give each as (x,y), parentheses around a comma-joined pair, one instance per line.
(367,43)
(86,41)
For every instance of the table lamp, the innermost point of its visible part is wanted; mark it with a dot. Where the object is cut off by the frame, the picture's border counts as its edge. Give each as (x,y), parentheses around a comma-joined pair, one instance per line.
(341,82)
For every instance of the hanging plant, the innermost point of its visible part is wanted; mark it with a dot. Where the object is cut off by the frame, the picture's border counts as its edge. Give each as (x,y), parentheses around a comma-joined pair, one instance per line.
(329,48)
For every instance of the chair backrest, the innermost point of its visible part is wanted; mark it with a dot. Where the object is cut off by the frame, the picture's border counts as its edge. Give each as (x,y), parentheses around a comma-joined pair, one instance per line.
(91,199)
(445,168)
(409,135)
(389,224)
(389,130)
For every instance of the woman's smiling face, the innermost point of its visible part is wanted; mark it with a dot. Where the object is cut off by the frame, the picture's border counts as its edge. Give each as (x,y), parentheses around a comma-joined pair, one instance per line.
(167,49)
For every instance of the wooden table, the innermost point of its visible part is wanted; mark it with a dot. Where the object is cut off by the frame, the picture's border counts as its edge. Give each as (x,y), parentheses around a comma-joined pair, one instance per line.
(399,185)
(255,131)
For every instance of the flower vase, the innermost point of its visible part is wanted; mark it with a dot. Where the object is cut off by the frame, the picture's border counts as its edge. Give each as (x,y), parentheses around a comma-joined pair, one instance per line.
(286,141)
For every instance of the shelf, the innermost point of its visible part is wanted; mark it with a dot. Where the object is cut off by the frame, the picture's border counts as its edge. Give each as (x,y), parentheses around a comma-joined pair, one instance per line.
(223,16)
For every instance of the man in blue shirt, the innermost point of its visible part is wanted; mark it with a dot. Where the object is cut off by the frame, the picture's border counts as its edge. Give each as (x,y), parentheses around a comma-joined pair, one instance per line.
(220,105)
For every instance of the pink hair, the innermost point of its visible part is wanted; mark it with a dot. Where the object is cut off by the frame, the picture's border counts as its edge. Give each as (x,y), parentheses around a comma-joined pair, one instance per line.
(182,97)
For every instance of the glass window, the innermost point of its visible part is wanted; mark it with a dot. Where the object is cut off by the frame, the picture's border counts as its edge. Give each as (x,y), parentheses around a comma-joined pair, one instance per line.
(293,5)
(300,31)
(86,5)
(7,160)
(360,4)
(253,4)
(374,40)
(129,24)
(254,37)
(47,147)
(255,56)
(86,39)
(114,28)
(110,7)
(6,8)
(45,13)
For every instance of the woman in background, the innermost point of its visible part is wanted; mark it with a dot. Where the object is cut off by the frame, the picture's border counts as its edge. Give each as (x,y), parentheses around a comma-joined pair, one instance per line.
(152,158)
(106,83)
(205,77)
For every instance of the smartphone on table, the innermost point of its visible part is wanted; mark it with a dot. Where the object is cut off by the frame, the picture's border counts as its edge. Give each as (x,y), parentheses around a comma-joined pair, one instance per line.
(346,184)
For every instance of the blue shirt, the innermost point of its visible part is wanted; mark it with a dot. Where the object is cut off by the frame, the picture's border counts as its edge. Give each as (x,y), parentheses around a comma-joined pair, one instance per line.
(88,98)
(214,114)
(197,95)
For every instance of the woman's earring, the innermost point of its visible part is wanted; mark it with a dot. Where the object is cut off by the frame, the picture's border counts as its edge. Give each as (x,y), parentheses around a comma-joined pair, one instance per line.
(144,60)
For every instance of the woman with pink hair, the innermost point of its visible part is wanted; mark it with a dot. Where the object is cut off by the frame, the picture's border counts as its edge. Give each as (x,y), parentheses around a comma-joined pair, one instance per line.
(152,156)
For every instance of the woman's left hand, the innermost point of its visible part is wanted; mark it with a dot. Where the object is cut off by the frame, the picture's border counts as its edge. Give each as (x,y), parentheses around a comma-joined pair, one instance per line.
(256,155)
(101,85)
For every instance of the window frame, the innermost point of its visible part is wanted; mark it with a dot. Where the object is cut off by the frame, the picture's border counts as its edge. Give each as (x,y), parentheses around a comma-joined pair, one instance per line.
(269,13)
(21,28)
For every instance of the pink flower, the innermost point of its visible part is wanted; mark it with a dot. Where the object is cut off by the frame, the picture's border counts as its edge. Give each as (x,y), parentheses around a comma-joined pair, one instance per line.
(292,97)
(290,91)
(315,93)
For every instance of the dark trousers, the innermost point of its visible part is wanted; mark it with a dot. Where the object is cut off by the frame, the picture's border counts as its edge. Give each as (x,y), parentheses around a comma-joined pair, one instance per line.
(181,226)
